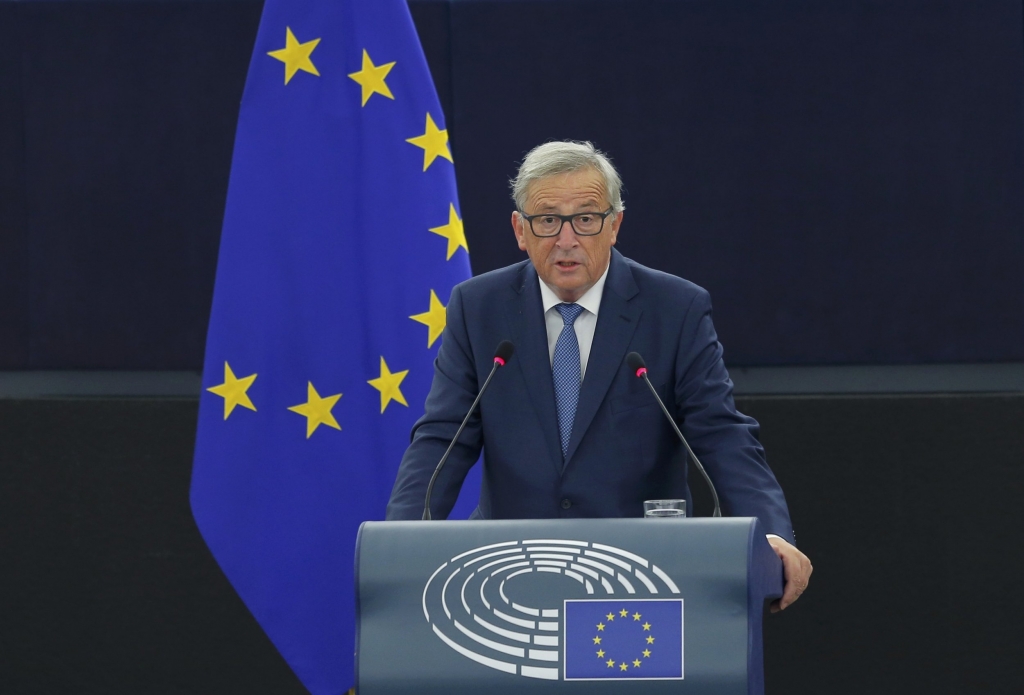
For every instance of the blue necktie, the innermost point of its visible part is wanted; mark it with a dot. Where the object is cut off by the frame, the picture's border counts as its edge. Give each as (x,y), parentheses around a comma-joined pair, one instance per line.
(566,372)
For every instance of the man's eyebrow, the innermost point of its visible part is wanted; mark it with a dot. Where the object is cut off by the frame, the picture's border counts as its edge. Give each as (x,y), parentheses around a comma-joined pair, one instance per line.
(550,207)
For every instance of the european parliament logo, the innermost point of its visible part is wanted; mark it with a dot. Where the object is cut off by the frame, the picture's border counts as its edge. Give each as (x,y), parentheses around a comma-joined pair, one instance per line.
(559,609)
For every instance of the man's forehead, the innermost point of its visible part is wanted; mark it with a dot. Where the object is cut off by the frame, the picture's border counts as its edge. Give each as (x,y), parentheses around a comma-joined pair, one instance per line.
(578,187)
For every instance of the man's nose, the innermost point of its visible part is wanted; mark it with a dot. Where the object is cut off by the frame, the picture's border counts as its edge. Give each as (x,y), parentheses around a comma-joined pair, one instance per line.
(566,235)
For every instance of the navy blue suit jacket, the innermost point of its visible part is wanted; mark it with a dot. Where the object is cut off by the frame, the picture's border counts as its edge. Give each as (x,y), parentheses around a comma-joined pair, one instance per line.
(622,450)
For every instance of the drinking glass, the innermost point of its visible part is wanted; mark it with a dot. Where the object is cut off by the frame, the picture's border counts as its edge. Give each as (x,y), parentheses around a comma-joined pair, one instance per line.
(664,509)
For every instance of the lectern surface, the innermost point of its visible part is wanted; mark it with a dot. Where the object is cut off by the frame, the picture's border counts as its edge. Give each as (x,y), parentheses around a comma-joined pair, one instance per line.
(562,606)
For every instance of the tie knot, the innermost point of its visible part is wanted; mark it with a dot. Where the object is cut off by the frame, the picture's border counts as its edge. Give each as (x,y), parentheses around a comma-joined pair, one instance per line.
(569,312)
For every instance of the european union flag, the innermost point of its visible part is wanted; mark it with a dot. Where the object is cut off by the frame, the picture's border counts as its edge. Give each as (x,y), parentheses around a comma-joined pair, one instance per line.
(633,639)
(342,240)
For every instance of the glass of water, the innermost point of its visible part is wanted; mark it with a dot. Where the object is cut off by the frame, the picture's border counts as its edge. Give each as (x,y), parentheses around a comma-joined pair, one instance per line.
(664,509)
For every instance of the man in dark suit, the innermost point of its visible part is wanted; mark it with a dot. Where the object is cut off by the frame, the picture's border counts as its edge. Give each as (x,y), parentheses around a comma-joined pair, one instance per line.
(567,430)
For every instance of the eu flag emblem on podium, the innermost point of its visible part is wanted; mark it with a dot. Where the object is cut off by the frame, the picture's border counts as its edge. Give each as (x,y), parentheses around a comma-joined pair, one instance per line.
(631,639)
(342,240)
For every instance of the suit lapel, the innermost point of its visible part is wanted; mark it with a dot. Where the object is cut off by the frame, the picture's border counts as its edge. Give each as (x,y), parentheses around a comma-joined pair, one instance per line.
(616,322)
(526,316)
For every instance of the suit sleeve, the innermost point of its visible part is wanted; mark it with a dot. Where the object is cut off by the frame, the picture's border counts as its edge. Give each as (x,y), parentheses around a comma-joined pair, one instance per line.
(725,440)
(452,391)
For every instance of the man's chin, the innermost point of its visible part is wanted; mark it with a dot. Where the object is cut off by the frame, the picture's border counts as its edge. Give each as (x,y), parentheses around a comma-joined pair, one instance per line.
(569,291)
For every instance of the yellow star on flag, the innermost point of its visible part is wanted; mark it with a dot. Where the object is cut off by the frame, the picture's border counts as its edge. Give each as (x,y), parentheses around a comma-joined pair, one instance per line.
(434,143)
(388,384)
(636,616)
(454,232)
(295,56)
(647,626)
(623,612)
(597,640)
(371,78)
(647,653)
(433,318)
(317,410)
(600,653)
(650,639)
(233,391)
(600,627)
(636,663)
(610,663)
(623,666)
(610,617)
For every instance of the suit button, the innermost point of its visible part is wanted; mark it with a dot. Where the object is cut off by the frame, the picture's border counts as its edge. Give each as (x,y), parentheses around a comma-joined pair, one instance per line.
(566,504)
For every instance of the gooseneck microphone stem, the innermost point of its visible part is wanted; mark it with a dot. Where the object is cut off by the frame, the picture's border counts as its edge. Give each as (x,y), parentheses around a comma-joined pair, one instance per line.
(671,421)
(636,363)
(503,354)
(440,465)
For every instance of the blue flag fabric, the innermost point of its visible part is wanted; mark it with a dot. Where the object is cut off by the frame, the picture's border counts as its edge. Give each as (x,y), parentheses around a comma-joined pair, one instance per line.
(632,639)
(342,240)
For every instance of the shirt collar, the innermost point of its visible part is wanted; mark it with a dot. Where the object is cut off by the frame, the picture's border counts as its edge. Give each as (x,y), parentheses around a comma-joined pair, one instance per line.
(591,299)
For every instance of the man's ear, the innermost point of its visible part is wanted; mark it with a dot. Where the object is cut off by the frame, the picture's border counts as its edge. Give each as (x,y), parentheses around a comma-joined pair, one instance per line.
(519,227)
(616,224)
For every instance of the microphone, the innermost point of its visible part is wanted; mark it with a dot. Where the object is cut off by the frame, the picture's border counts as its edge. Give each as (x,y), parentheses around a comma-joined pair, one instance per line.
(502,354)
(637,366)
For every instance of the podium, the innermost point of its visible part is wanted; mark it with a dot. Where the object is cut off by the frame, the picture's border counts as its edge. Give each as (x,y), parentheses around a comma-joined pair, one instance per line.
(563,606)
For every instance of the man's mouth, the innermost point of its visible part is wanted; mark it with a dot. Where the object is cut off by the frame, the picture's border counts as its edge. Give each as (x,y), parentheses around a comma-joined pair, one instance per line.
(566,265)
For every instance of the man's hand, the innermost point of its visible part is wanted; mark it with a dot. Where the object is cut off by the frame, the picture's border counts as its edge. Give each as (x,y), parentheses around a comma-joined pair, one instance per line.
(797,568)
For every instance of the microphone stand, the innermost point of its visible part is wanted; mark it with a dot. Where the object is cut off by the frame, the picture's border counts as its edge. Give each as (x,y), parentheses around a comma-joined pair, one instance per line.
(642,372)
(498,362)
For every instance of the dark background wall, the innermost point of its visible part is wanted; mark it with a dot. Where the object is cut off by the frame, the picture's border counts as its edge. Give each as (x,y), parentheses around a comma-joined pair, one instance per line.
(845,177)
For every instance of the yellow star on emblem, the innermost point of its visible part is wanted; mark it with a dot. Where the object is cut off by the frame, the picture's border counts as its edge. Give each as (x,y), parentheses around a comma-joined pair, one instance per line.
(434,318)
(454,232)
(623,612)
(597,640)
(317,410)
(434,143)
(636,616)
(389,385)
(636,663)
(610,663)
(647,626)
(600,653)
(650,639)
(623,666)
(371,78)
(600,626)
(233,391)
(647,653)
(295,56)
(610,617)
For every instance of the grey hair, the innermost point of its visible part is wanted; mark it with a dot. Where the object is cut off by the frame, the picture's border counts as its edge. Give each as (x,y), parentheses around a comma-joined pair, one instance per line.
(553,158)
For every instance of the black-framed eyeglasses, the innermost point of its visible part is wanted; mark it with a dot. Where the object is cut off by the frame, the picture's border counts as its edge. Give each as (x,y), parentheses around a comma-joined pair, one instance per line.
(548,224)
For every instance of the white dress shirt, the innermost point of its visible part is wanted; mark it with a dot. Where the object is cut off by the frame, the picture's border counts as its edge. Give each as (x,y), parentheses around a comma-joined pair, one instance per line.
(585,324)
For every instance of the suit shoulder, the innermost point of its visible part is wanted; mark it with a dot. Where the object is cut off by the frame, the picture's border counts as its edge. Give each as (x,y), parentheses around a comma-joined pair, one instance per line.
(666,285)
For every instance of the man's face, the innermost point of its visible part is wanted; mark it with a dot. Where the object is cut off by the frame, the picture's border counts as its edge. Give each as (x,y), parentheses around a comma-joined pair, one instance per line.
(570,264)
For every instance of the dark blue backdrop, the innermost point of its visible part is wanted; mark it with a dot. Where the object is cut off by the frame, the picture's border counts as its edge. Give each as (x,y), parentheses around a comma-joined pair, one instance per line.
(845,176)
